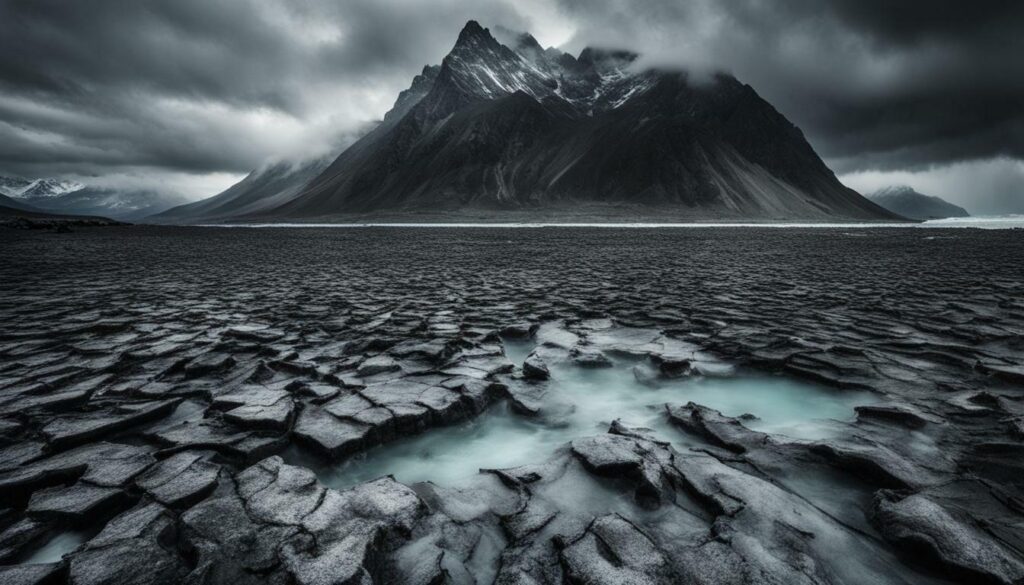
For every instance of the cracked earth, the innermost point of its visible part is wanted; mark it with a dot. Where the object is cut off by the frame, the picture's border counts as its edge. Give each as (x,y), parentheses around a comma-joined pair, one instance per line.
(173,402)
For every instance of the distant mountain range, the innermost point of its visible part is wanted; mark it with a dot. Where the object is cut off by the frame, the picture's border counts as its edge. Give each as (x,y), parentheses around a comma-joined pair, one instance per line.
(59,197)
(36,188)
(513,129)
(909,203)
(9,204)
(15,213)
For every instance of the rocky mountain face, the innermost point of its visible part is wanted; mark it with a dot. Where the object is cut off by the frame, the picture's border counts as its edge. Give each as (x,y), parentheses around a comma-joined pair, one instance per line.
(60,197)
(905,201)
(518,127)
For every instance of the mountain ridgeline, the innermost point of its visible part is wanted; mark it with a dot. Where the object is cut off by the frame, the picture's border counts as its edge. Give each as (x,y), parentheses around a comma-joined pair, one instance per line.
(500,130)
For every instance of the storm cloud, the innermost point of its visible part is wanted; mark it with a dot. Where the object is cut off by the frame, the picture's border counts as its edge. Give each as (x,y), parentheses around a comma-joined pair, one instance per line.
(194,88)
(874,84)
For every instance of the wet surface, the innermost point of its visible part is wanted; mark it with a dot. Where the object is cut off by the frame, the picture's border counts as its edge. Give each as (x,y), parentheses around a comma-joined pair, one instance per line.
(56,547)
(582,402)
(150,377)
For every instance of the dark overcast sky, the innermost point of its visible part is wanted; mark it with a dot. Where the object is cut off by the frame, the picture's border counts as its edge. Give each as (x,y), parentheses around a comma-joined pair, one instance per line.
(189,94)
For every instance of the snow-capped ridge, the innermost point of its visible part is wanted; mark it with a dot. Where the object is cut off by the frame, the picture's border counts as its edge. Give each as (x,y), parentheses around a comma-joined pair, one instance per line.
(480,66)
(32,188)
(51,188)
(893,190)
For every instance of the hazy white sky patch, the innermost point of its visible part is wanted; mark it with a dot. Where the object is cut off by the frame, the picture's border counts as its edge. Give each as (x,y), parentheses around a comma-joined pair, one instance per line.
(193,186)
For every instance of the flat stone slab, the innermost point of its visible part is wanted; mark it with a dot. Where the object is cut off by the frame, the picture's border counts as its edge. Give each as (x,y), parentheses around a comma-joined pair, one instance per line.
(182,479)
(77,502)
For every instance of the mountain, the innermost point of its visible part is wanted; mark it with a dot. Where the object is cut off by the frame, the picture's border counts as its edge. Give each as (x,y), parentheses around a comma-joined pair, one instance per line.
(9,185)
(278,182)
(521,128)
(262,189)
(41,188)
(14,213)
(30,189)
(11,204)
(905,201)
(60,197)
(114,203)
(408,98)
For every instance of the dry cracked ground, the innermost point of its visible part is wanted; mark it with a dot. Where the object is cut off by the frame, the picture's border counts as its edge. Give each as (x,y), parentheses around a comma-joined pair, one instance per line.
(152,378)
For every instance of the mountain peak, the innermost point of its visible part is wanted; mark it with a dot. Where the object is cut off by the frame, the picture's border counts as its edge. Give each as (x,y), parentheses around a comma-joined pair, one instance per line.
(527,40)
(46,187)
(519,41)
(481,67)
(471,31)
(894,190)
(476,41)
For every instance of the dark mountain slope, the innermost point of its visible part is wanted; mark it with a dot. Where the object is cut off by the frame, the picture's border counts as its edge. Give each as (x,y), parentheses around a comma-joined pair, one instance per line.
(261,189)
(275,184)
(13,204)
(17,214)
(120,204)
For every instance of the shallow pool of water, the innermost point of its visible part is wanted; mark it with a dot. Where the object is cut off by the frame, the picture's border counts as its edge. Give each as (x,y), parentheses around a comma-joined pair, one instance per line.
(59,545)
(584,402)
(782,406)
(516,350)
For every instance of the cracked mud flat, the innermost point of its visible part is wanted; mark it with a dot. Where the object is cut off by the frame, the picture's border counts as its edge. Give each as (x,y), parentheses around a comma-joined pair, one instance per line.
(185,405)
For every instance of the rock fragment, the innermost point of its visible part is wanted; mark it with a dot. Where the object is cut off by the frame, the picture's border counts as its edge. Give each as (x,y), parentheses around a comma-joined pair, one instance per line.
(522,330)
(77,503)
(613,550)
(77,429)
(377,365)
(180,480)
(534,368)
(587,357)
(922,527)
(720,430)
(136,547)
